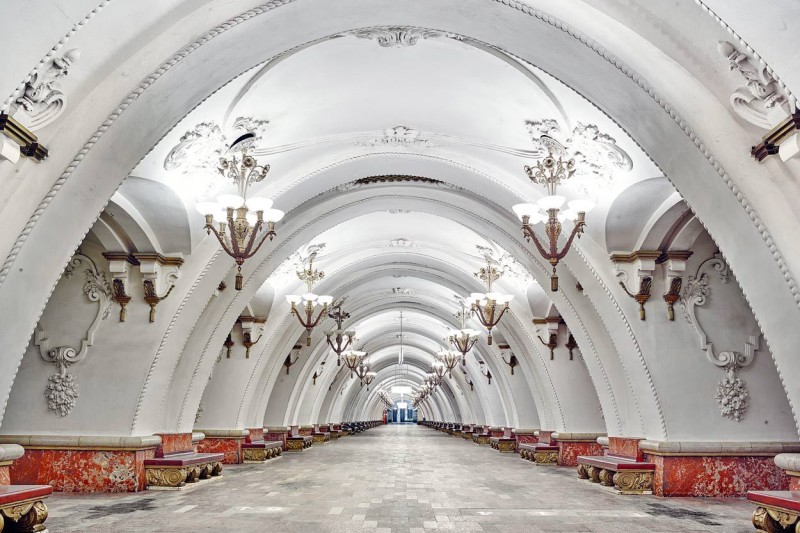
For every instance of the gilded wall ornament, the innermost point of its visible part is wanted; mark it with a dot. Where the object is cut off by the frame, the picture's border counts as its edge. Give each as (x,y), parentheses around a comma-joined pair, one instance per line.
(62,388)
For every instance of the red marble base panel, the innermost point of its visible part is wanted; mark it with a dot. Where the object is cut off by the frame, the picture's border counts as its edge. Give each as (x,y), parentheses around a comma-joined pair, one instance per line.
(256,435)
(83,470)
(625,446)
(174,442)
(275,436)
(715,476)
(5,475)
(568,451)
(232,448)
(545,437)
(794,483)
(526,439)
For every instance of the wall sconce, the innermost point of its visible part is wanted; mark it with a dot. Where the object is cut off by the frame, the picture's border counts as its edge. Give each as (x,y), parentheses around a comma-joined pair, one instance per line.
(487,373)
(672,296)
(318,373)
(571,345)
(248,342)
(641,297)
(288,362)
(228,344)
(157,271)
(552,343)
(512,361)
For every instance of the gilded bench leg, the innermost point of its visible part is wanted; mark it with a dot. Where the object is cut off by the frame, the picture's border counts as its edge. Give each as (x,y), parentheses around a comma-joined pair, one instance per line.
(25,518)
(633,482)
(255,455)
(607,477)
(193,474)
(594,474)
(582,472)
(775,520)
(545,457)
(216,469)
(167,477)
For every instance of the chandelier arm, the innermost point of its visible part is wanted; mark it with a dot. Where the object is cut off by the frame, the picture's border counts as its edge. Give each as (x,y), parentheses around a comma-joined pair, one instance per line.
(259,224)
(234,241)
(575,231)
(269,234)
(500,316)
(479,313)
(319,317)
(221,241)
(528,232)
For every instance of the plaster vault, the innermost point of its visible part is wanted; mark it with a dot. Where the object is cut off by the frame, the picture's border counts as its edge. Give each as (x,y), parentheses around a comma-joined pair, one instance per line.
(397,132)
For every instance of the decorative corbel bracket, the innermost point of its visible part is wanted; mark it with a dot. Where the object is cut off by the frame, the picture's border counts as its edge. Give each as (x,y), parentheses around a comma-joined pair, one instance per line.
(252,327)
(157,271)
(296,351)
(783,140)
(551,323)
(18,140)
(642,265)
(512,361)
(675,263)
(119,265)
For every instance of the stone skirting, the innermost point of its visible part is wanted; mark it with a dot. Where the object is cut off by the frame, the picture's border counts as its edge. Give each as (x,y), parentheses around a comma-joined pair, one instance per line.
(83,463)
(225,441)
(716,468)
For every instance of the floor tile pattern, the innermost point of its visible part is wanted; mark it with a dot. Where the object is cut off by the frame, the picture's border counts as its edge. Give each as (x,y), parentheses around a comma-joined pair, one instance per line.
(399,478)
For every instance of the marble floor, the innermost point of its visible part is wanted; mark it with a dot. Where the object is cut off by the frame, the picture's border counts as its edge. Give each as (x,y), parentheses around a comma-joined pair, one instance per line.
(399,478)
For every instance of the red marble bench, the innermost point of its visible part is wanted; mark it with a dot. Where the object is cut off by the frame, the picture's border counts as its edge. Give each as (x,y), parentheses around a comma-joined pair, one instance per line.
(298,443)
(174,470)
(777,511)
(260,451)
(625,474)
(22,507)
(541,454)
(320,437)
(503,444)
(481,437)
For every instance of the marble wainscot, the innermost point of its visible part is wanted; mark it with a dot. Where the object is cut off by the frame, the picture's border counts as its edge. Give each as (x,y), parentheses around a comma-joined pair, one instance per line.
(790,463)
(225,441)
(82,463)
(716,468)
(526,436)
(8,454)
(571,445)
(279,433)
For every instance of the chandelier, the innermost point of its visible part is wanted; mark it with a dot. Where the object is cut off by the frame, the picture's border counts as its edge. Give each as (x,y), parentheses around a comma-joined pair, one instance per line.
(369,377)
(243,223)
(341,339)
(385,398)
(550,172)
(465,338)
(490,306)
(362,370)
(353,358)
(449,359)
(309,300)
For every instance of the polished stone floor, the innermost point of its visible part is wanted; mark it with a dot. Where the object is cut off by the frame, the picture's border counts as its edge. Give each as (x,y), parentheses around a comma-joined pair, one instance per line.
(395,479)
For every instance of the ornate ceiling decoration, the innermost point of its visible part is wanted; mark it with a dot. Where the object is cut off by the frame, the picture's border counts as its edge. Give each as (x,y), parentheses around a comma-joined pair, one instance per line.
(597,155)
(200,149)
(508,265)
(398,36)
(398,136)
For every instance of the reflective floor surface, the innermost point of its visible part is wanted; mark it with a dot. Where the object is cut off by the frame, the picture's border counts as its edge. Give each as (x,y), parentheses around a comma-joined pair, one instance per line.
(400,478)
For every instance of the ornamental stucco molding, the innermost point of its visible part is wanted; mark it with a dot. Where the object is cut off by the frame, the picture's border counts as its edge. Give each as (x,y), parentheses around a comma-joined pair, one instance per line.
(760,101)
(731,394)
(398,136)
(597,155)
(201,148)
(42,101)
(508,265)
(62,389)
(398,36)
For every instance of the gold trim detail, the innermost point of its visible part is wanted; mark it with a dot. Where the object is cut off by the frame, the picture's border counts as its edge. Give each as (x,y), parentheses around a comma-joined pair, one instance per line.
(633,482)
(545,457)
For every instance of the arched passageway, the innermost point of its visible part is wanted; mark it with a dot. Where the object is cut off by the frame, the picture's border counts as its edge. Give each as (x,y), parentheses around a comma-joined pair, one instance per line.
(649,302)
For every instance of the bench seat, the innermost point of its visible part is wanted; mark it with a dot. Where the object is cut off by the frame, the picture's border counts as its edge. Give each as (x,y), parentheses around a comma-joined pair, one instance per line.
(625,474)
(503,444)
(541,454)
(298,443)
(777,511)
(260,451)
(174,471)
(23,504)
